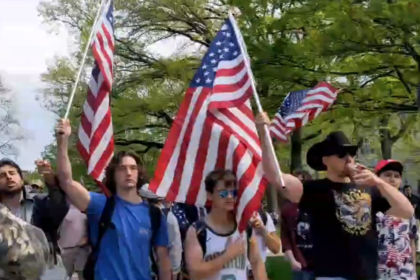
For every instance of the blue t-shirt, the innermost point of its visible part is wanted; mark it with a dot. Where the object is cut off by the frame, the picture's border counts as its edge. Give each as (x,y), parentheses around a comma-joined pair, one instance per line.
(125,247)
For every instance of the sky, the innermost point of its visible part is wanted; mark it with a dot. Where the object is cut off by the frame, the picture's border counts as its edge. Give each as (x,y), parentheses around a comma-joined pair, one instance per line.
(26,48)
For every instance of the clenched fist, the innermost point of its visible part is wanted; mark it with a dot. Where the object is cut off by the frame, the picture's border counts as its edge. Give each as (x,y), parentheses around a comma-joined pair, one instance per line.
(63,129)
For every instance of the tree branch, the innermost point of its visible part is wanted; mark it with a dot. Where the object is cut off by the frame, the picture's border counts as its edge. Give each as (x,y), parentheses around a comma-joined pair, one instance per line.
(124,143)
(140,128)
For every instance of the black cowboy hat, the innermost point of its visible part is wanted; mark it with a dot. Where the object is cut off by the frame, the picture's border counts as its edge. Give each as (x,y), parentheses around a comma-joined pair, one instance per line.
(336,143)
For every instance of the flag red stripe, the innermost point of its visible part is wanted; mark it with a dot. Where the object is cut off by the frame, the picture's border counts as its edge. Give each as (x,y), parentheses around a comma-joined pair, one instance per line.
(184,146)
(172,140)
(200,162)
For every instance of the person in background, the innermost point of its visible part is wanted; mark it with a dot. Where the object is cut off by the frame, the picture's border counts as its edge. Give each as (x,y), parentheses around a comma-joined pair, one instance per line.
(397,236)
(296,236)
(186,215)
(414,199)
(36,186)
(74,243)
(131,228)
(45,211)
(174,235)
(265,235)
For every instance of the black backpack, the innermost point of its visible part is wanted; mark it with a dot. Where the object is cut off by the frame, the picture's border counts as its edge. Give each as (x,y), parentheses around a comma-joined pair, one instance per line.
(263,215)
(104,223)
(200,227)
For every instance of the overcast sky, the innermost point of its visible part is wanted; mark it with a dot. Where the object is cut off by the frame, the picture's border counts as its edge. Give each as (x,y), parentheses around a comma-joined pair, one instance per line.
(26,48)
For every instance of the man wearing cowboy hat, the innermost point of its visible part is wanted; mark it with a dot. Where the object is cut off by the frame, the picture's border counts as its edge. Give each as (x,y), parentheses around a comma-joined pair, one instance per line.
(342,207)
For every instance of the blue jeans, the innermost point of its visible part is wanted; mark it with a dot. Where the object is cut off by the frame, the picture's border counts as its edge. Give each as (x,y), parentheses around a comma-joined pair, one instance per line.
(303,275)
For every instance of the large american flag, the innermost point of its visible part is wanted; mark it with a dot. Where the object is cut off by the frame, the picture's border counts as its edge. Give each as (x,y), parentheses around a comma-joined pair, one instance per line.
(96,142)
(214,129)
(301,107)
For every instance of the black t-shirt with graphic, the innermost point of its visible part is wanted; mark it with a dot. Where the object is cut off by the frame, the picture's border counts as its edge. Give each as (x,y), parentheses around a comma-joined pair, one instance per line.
(343,228)
(303,238)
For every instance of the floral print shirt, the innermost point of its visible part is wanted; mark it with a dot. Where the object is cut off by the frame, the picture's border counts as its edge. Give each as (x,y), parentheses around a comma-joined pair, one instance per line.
(395,252)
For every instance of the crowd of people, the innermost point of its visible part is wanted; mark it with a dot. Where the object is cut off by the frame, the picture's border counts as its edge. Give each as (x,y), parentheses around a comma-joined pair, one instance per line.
(355,224)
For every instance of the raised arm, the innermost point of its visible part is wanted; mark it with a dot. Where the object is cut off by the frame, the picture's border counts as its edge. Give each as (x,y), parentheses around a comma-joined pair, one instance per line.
(293,187)
(400,205)
(76,193)
(201,269)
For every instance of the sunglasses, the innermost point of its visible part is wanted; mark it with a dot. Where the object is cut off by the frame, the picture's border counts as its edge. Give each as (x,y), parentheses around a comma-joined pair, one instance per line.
(227,193)
(342,153)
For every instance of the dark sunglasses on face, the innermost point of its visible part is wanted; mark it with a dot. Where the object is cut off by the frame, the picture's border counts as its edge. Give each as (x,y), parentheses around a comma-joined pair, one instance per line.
(227,193)
(342,153)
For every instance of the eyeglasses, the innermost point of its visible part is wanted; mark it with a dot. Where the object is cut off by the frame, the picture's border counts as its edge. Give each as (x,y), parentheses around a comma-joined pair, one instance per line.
(227,193)
(342,153)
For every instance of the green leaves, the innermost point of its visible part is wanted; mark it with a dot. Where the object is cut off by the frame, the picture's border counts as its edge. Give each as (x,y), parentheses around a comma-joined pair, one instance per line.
(368,48)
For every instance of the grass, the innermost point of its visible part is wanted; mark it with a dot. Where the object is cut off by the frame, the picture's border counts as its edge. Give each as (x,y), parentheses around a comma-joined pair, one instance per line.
(279,269)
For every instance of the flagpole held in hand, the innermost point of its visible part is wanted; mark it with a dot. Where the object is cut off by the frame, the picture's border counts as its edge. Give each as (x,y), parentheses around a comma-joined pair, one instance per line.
(242,47)
(79,73)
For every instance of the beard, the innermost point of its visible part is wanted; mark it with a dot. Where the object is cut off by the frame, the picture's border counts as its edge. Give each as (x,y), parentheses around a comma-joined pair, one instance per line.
(8,192)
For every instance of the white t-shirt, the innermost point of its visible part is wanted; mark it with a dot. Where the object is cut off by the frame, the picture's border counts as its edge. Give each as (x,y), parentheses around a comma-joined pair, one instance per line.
(260,239)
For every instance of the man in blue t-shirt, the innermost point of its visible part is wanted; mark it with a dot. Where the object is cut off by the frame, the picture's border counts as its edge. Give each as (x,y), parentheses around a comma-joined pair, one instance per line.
(125,247)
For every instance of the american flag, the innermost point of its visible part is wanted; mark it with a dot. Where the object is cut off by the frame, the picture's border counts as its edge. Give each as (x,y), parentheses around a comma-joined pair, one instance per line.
(300,107)
(214,129)
(96,142)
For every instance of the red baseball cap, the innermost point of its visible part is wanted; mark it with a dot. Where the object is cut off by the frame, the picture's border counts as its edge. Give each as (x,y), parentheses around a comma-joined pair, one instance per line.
(389,164)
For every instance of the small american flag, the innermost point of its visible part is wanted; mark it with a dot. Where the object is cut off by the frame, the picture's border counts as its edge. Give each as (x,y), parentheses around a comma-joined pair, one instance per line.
(214,129)
(95,141)
(300,107)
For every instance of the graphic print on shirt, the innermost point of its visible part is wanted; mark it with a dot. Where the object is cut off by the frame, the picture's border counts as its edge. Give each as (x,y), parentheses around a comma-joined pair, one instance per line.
(237,263)
(394,248)
(354,211)
(216,245)
(303,231)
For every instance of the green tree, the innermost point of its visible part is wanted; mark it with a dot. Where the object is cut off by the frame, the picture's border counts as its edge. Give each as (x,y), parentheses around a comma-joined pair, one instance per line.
(11,133)
(357,45)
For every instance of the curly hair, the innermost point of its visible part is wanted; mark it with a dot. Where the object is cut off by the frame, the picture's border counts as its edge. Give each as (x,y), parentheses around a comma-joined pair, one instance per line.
(116,160)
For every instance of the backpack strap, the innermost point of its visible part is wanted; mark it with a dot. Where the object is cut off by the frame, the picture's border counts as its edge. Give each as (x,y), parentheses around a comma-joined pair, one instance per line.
(200,227)
(155,219)
(249,231)
(263,215)
(104,224)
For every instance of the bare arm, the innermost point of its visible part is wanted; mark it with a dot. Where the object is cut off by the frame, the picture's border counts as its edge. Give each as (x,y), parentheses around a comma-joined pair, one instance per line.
(293,187)
(288,255)
(414,250)
(76,193)
(400,205)
(165,267)
(272,241)
(197,267)
(257,265)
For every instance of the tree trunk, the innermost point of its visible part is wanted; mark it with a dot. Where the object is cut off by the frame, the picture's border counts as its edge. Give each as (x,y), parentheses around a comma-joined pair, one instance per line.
(271,198)
(296,150)
(386,139)
(386,144)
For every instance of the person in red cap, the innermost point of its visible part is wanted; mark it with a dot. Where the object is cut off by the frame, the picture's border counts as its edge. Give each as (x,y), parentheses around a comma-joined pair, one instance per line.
(397,237)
